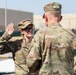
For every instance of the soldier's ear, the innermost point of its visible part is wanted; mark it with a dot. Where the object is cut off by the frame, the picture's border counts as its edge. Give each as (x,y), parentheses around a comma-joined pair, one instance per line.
(60,18)
(46,19)
(21,31)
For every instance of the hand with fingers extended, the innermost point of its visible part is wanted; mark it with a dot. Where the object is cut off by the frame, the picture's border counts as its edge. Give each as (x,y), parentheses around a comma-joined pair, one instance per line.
(10,28)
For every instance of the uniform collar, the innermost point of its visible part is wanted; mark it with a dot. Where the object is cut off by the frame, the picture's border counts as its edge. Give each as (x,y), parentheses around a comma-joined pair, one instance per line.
(26,45)
(55,25)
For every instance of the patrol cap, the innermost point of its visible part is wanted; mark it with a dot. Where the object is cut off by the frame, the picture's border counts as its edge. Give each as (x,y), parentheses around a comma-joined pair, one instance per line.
(52,6)
(23,24)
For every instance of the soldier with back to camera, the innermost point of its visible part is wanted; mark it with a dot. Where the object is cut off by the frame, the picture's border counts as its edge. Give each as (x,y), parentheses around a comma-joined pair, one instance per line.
(54,47)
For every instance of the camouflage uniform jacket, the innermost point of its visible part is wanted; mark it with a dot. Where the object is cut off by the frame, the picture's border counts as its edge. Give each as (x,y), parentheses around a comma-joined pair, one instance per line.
(53,51)
(19,50)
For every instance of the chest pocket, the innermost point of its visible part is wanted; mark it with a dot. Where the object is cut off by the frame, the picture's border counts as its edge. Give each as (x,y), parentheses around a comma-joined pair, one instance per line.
(27,49)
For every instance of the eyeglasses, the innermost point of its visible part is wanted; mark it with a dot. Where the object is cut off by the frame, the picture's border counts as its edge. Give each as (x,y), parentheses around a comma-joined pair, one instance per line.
(28,28)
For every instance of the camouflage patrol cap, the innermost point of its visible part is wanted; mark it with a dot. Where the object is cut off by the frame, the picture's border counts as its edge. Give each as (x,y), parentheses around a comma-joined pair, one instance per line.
(23,24)
(52,6)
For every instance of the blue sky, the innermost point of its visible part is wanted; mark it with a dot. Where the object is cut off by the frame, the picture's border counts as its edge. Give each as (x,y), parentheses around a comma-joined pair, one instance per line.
(36,6)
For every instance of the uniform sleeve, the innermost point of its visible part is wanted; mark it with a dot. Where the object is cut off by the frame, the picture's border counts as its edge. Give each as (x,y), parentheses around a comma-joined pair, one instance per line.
(5,37)
(3,43)
(34,58)
(74,43)
(74,47)
(67,50)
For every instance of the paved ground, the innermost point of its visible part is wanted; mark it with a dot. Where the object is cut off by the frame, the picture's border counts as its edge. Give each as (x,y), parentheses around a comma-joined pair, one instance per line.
(6,64)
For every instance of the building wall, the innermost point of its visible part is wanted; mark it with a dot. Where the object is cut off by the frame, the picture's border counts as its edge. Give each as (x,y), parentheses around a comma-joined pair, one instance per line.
(68,21)
(13,16)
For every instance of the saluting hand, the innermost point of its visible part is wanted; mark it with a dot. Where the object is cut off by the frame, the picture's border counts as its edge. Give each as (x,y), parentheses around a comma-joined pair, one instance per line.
(10,28)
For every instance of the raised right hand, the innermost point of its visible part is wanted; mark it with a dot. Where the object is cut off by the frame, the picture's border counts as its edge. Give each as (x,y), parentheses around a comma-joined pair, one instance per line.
(10,28)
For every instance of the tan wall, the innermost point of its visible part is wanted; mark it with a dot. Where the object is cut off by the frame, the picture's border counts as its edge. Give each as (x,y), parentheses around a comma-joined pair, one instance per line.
(68,21)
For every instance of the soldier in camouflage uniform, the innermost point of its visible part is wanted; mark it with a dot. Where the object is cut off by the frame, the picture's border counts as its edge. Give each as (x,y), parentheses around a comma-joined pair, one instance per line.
(18,47)
(54,47)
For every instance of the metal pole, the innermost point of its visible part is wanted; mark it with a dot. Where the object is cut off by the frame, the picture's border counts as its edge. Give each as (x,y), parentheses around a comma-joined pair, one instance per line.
(5,13)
